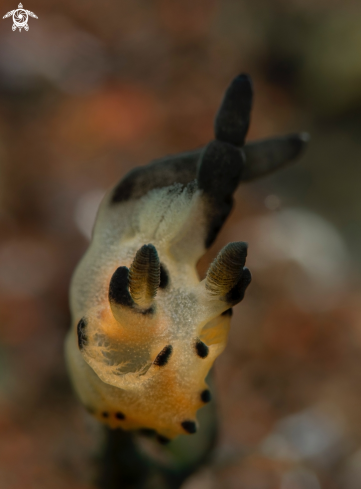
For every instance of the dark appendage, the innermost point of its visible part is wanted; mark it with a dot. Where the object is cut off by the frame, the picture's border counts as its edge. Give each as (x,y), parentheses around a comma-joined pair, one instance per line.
(219,173)
(226,269)
(220,169)
(266,156)
(261,158)
(144,275)
(232,120)
(231,126)
(118,288)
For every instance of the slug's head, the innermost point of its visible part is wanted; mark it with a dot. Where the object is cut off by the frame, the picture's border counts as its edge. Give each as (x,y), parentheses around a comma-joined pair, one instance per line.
(156,339)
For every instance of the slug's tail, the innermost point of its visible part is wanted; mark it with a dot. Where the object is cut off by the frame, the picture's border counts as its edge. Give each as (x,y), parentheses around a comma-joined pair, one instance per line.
(201,183)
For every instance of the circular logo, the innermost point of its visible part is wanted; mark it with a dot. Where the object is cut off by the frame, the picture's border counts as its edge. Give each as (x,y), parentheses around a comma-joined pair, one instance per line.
(20,17)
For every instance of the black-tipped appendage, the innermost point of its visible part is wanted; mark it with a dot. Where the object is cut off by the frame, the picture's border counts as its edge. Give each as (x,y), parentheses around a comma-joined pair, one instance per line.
(144,275)
(232,121)
(220,170)
(268,155)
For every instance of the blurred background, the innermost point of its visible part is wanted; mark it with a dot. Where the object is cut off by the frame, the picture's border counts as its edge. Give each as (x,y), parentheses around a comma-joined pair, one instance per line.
(94,89)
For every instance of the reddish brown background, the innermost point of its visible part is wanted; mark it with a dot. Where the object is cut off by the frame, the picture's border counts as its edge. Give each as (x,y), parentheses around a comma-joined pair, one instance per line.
(96,88)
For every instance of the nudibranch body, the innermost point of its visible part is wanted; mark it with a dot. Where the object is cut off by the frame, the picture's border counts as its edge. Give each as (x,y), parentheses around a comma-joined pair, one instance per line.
(145,330)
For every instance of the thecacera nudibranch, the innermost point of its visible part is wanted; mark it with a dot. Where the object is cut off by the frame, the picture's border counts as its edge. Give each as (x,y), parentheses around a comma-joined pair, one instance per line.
(145,331)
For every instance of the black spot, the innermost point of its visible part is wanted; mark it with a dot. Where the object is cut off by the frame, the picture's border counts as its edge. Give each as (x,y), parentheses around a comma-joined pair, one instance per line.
(82,337)
(206,395)
(229,312)
(163,440)
(163,357)
(189,426)
(105,414)
(201,349)
(118,287)
(119,415)
(164,277)
(147,432)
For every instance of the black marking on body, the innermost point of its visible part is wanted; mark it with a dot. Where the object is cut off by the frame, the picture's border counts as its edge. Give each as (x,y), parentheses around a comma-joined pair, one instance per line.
(148,432)
(105,414)
(201,349)
(180,168)
(163,440)
(228,312)
(163,357)
(164,277)
(118,287)
(189,426)
(82,337)
(119,415)
(206,396)
(236,294)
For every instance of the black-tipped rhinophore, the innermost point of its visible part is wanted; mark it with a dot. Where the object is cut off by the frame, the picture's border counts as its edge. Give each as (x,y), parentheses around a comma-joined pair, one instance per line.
(232,121)
(144,276)
(226,270)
